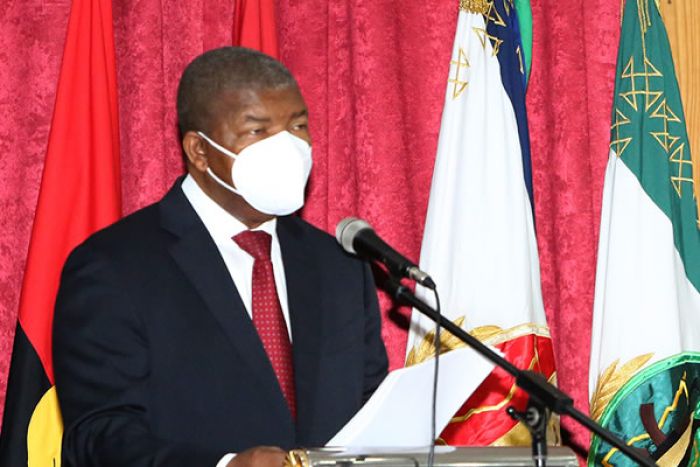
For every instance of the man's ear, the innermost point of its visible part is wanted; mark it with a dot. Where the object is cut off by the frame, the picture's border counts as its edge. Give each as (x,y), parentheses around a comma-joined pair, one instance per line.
(195,150)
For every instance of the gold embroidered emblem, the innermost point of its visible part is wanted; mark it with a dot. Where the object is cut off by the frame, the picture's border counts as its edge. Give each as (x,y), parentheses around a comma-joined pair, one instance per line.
(492,408)
(519,435)
(611,380)
(492,16)
(426,349)
(459,85)
(490,335)
(619,144)
(519,52)
(508,5)
(483,35)
(664,112)
(650,97)
(673,454)
(679,157)
(640,85)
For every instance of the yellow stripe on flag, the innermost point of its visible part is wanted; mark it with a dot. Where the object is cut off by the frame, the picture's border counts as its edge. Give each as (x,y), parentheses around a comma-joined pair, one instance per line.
(45,432)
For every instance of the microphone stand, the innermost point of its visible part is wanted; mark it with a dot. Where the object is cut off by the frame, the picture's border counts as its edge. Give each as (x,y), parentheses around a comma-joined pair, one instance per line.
(543,396)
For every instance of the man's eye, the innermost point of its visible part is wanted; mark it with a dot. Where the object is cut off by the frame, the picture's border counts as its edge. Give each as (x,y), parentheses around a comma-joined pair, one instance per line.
(256,131)
(299,127)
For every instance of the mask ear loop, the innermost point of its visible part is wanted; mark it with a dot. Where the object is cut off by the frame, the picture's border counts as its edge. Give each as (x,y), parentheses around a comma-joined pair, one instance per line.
(211,172)
(222,183)
(219,147)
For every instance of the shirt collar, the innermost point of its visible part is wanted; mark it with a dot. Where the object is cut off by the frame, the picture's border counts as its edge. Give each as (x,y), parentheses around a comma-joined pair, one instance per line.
(221,225)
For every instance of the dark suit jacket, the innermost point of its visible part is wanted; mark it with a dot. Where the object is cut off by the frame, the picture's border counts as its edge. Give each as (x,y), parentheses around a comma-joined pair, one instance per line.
(158,363)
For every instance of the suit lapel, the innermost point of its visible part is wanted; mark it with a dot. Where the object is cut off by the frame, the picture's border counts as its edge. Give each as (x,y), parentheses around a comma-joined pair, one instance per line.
(196,254)
(304,300)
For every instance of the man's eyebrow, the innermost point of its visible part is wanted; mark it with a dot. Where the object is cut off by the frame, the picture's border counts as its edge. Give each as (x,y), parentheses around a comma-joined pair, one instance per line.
(259,119)
(254,118)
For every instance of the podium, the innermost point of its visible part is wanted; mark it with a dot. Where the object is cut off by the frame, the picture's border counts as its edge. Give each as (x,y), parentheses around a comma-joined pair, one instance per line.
(445,456)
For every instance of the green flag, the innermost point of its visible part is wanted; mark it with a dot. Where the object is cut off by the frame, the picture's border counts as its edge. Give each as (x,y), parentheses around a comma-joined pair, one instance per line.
(522,7)
(645,353)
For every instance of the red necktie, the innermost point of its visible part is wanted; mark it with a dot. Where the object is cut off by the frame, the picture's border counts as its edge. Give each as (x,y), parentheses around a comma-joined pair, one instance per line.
(267,312)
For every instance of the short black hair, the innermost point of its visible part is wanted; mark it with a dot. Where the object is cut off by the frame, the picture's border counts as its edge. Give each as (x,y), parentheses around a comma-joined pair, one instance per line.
(220,70)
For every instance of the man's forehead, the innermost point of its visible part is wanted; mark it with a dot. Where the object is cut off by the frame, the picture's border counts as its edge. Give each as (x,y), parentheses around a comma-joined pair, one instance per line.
(238,97)
(258,103)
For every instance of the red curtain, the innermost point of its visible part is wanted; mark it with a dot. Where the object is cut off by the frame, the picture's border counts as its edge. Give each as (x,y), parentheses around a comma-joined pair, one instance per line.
(374,76)
(569,106)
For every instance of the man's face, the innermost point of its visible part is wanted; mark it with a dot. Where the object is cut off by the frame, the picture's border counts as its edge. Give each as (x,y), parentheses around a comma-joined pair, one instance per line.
(242,118)
(239,119)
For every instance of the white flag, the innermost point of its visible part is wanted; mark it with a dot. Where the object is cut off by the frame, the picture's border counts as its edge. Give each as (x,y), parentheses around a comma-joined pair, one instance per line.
(479,242)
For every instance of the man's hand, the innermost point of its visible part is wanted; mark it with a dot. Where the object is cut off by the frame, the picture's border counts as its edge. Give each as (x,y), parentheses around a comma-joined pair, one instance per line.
(261,456)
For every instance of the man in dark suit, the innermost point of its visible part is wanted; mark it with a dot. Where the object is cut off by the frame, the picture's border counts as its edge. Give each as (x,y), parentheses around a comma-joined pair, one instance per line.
(157,359)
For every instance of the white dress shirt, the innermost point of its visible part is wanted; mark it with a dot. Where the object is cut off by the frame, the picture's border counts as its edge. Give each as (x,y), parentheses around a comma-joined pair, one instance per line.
(222,227)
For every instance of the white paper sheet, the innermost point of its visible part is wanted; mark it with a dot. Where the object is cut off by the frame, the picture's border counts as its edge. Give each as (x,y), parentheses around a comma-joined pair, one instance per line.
(398,414)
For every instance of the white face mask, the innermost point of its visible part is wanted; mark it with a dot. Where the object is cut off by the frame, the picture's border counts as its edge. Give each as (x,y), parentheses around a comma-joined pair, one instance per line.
(270,174)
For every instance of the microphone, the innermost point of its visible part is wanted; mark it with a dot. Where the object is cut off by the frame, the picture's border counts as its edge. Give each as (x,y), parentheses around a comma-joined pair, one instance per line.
(358,237)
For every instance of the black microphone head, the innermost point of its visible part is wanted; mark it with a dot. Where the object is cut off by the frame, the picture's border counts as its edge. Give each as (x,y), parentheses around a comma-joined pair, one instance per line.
(347,230)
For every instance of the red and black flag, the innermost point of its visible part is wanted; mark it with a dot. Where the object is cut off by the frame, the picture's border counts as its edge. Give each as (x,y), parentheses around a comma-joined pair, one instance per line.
(79,194)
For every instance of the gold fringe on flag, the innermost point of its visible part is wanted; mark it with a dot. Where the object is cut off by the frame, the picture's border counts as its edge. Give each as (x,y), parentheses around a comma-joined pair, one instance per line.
(475,6)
